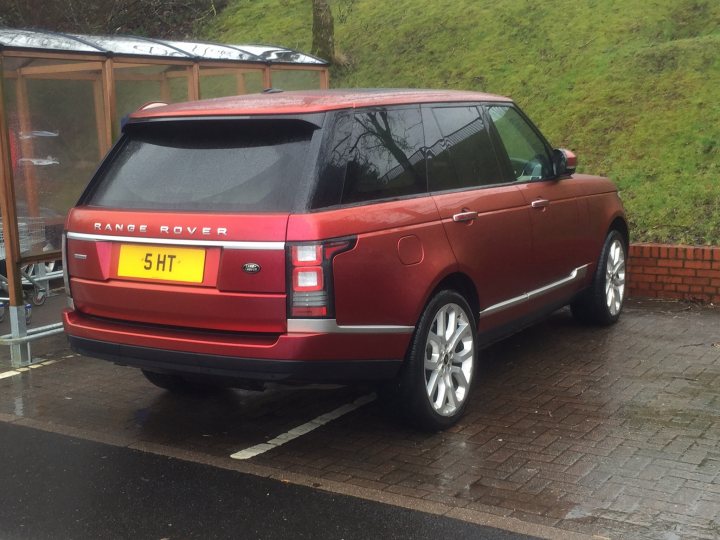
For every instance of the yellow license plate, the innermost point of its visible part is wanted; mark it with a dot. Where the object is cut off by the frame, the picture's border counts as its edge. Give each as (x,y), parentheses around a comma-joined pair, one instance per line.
(168,263)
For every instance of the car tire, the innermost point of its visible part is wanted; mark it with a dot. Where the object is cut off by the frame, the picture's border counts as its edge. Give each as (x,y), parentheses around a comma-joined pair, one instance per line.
(439,371)
(177,384)
(602,302)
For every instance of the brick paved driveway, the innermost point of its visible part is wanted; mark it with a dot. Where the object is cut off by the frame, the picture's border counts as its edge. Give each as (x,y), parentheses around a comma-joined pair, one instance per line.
(612,432)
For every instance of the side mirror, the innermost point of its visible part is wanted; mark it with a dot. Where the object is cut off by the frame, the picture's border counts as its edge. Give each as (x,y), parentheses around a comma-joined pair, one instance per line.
(564,161)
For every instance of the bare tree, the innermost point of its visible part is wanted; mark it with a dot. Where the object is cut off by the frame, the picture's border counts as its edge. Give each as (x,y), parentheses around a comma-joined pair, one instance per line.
(323,30)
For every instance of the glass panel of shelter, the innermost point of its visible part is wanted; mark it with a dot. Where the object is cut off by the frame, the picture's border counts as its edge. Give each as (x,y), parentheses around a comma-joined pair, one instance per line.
(55,116)
(59,128)
(296,79)
(137,84)
(225,81)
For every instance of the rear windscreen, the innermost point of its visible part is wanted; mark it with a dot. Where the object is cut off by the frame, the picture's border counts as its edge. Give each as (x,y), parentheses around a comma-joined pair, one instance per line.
(210,166)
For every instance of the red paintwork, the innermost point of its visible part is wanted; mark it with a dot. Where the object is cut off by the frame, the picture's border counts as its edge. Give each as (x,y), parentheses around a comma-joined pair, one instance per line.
(180,305)
(603,207)
(410,250)
(260,227)
(271,277)
(372,285)
(96,265)
(571,159)
(319,347)
(558,230)
(211,304)
(498,240)
(403,250)
(309,102)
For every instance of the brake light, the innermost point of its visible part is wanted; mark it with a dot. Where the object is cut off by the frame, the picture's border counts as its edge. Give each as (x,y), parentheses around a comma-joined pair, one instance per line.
(306,254)
(308,278)
(309,271)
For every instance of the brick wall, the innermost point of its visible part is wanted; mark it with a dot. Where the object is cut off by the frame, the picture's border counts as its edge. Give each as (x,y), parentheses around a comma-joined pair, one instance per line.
(678,272)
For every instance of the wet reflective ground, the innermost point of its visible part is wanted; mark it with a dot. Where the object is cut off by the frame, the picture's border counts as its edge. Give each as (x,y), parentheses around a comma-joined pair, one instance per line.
(73,488)
(612,432)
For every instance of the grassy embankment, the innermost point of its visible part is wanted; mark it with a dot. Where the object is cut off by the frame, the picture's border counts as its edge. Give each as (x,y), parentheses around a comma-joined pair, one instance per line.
(632,86)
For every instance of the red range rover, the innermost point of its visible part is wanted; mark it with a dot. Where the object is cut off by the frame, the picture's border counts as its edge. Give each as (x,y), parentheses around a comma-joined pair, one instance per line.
(357,235)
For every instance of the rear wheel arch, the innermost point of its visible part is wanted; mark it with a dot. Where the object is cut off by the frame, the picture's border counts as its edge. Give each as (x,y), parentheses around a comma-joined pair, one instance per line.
(462,284)
(437,377)
(457,282)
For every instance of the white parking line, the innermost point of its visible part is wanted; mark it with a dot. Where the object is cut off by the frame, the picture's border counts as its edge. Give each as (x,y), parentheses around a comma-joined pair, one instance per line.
(18,371)
(303,429)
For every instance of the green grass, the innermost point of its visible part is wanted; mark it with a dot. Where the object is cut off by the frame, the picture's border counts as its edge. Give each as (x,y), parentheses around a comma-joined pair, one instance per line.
(633,87)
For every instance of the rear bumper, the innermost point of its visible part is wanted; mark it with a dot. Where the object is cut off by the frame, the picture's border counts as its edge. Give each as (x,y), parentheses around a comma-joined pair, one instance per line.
(232,367)
(326,357)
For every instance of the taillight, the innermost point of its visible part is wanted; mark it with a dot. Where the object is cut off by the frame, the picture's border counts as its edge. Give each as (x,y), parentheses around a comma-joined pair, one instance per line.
(309,274)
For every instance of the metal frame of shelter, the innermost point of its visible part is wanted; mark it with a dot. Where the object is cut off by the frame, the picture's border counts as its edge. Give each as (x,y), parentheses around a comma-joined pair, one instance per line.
(27,55)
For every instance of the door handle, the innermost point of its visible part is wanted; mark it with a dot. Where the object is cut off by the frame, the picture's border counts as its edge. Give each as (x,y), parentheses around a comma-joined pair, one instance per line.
(540,203)
(465,215)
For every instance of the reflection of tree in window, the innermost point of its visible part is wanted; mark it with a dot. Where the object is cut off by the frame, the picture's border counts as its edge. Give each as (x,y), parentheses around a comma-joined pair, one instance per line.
(464,156)
(333,160)
(387,159)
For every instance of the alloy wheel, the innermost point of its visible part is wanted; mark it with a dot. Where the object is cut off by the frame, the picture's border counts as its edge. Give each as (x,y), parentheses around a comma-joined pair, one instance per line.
(615,277)
(449,359)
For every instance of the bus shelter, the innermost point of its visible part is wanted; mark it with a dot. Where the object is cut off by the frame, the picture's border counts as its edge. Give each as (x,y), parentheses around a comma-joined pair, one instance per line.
(62,101)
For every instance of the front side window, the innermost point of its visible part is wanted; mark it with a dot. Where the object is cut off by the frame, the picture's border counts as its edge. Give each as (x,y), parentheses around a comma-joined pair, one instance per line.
(527,152)
(386,156)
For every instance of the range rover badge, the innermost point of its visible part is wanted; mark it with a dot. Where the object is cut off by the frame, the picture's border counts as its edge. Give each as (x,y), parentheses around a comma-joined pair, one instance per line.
(251,268)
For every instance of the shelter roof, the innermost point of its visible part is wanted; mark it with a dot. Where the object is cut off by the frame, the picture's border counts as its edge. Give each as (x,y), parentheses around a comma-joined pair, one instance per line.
(137,46)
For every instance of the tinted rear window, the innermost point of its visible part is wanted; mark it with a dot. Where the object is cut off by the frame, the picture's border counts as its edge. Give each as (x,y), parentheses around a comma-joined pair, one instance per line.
(386,156)
(213,166)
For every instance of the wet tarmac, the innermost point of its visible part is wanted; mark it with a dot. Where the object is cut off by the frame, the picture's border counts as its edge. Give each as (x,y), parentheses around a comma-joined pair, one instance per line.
(612,432)
(64,487)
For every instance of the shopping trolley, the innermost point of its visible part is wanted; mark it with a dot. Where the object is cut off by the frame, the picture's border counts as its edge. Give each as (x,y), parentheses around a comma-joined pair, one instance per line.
(35,277)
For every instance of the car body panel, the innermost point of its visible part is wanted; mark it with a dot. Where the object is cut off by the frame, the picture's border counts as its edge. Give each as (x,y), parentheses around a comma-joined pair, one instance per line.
(491,249)
(372,284)
(302,346)
(559,229)
(513,259)
(227,299)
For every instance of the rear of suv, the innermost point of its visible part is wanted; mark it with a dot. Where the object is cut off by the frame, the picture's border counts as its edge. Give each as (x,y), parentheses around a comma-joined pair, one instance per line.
(381,236)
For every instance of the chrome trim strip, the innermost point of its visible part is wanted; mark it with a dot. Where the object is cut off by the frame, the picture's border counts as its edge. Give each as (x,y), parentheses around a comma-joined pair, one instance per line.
(330,326)
(227,244)
(576,274)
(80,256)
(506,304)
(579,273)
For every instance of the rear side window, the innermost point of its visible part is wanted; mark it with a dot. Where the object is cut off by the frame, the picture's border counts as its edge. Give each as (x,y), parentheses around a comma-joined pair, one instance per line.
(386,158)
(462,152)
(333,160)
(209,166)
